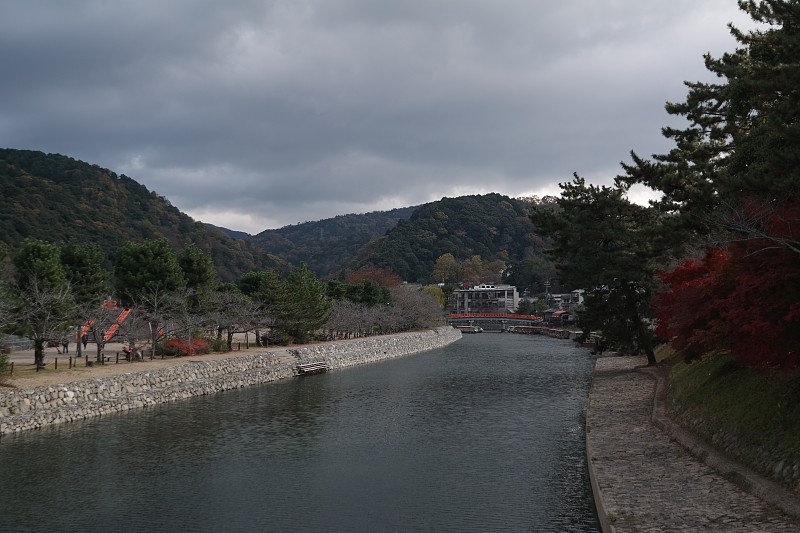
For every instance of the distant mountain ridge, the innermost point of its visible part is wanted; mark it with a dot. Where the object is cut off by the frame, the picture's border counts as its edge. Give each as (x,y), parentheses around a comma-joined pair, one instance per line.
(327,245)
(492,226)
(232,233)
(55,198)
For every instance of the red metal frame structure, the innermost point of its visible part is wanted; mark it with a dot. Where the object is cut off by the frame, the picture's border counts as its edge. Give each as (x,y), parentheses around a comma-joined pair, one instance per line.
(496,315)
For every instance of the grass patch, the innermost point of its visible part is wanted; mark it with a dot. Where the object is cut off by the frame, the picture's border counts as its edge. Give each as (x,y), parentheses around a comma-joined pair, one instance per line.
(752,416)
(29,370)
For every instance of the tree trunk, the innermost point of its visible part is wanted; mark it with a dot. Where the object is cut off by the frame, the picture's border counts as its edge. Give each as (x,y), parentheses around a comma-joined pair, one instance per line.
(99,350)
(38,354)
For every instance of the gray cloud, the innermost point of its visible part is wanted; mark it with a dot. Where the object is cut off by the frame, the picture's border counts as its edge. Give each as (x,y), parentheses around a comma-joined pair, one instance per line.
(257,114)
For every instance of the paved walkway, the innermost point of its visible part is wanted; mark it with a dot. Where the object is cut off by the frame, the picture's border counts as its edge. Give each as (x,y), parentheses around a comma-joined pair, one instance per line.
(646,474)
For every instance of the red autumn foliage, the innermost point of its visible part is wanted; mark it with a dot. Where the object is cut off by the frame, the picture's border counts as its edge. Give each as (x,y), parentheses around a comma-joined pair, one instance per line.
(687,314)
(763,310)
(383,276)
(745,299)
(180,347)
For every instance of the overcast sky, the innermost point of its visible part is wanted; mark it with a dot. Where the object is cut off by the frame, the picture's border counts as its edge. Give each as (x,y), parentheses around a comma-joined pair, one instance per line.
(256,114)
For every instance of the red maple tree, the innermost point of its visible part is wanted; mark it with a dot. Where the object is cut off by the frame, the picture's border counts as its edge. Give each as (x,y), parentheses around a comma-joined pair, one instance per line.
(744,299)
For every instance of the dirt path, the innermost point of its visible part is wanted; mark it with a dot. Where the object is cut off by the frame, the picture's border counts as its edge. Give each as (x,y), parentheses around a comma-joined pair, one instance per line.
(25,375)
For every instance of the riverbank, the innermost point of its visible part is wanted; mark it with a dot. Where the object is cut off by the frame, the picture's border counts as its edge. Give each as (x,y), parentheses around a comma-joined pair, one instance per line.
(649,474)
(115,387)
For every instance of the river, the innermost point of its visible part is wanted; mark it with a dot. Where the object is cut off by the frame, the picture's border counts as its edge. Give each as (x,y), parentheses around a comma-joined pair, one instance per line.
(485,434)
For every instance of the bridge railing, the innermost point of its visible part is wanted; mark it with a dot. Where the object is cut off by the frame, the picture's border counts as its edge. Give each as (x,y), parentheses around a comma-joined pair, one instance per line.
(507,316)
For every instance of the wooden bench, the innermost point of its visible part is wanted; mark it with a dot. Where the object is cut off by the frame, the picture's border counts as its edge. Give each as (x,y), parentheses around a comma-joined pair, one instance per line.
(312,368)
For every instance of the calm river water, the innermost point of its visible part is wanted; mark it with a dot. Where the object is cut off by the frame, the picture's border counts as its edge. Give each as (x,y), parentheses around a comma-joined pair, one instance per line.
(485,434)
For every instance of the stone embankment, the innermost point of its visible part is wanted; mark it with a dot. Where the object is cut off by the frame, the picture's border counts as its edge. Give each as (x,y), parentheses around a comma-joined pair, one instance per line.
(22,410)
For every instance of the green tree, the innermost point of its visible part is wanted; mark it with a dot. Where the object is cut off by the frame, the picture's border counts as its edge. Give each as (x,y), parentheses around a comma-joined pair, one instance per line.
(743,137)
(437,293)
(43,307)
(266,289)
(368,292)
(602,244)
(305,307)
(38,262)
(145,267)
(198,271)
(90,283)
(83,267)
(447,270)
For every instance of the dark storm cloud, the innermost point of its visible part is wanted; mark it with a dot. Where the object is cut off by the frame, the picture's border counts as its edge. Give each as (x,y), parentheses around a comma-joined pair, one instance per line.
(263,113)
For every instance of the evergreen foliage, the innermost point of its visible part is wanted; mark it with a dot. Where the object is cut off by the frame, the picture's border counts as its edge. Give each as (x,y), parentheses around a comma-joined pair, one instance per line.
(733,181)
(304,307)
(83,267)
(142,268)
(490,226)
(743,138)
(55,198)
(42,302)
(327,245)
(602,245)
(730,195)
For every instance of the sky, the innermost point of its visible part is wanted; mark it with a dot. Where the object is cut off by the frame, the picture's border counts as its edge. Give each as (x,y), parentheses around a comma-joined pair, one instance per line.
(257,114)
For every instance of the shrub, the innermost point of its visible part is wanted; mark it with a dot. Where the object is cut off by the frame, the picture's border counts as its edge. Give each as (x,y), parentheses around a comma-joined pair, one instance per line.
(180,347)
(218,345)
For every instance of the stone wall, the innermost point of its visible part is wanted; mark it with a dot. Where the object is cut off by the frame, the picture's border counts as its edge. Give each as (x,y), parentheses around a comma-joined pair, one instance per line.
(22,410)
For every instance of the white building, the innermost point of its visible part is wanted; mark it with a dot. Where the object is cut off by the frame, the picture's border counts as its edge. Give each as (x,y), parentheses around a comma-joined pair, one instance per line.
(486,298)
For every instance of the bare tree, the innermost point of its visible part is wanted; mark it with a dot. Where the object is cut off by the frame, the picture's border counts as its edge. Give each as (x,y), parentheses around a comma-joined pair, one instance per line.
(43,314)
(154,304)
(415,309)
(135,328)
(185,316)
(236,313)
(5,321)
(345,320)
(101,321)
(756,219)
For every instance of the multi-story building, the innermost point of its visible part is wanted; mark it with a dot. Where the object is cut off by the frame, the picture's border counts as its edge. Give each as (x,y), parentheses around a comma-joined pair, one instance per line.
(569,301)
(486,298)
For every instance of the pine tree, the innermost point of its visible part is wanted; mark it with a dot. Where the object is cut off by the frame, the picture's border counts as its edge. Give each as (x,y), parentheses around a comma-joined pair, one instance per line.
(743,138)
(601,244)
(304,307)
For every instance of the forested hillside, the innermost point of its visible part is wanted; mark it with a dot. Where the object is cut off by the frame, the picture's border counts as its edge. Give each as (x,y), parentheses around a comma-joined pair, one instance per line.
(492,226)
(56,198)
(327,245)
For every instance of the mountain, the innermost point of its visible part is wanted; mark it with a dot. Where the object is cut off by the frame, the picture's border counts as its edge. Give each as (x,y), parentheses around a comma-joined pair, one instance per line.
(328,245)
(492,226)
(232,233)
(55,198)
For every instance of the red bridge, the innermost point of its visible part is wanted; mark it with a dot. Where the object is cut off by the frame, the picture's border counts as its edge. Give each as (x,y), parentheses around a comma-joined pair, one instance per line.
(494,321)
